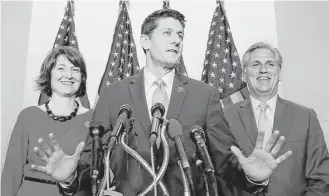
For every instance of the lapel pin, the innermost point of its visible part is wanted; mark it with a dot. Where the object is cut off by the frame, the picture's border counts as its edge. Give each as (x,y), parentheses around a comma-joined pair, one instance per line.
(180,89)
(87,124)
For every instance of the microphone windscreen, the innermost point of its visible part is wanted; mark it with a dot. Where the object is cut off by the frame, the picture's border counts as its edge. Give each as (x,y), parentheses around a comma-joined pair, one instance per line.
(125,108)
(96,125)
(197,129)
(158,106)
(174,129)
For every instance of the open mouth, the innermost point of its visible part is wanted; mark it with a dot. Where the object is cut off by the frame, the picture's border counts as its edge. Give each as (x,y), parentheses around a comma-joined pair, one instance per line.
(67,82)
(173,50)
(263,78)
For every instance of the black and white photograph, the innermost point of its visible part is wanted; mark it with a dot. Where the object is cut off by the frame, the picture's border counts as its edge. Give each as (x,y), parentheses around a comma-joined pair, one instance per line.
(164,98)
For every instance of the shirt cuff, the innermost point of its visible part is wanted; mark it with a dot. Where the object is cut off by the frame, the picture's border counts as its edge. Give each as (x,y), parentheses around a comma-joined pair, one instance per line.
(65,185)
(264,183)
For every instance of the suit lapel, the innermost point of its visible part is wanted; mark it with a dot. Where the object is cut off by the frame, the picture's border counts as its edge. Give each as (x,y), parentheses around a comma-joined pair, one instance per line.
(282,118)
(247,117)
(178,95)
(137,93)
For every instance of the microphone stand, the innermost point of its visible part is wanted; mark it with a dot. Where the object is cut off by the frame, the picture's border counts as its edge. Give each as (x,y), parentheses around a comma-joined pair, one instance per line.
(165,161)
(127,124)
(95,133)
(153,168)
(199,164)
(185,182)
(142,161)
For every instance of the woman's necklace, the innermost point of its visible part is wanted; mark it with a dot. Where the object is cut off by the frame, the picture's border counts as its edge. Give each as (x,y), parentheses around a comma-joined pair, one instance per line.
(61,118)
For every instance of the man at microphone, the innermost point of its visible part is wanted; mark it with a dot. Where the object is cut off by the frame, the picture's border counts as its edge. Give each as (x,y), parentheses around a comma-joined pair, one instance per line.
(189,101)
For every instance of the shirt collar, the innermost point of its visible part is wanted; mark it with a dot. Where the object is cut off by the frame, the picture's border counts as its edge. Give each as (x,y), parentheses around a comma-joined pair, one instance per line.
(271,102)
(150,78)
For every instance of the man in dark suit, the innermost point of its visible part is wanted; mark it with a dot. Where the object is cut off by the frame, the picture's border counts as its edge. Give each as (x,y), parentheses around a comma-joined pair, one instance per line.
(307,170)
(190,102)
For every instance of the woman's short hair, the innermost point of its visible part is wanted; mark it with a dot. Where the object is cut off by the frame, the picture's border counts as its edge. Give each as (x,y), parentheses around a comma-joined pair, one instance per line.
(74,56)
(261,45)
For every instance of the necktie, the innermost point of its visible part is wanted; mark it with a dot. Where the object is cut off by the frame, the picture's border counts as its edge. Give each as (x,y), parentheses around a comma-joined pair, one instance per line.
(160,96)
(263,123)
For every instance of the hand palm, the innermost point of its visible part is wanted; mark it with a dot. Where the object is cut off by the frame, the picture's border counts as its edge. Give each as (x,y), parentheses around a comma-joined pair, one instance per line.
(61,165)
(259,164)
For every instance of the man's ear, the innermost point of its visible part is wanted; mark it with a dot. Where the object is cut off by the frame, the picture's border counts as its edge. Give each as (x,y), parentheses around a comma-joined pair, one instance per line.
(280,75)
(244,75)
(144,40)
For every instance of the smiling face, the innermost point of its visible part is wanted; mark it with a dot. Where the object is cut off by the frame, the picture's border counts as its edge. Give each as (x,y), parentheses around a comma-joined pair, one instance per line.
(165,44)
(262,74)
(65,77)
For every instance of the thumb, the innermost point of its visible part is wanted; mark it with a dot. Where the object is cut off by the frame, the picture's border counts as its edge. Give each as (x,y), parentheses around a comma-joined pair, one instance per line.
(78,151)
(238,154)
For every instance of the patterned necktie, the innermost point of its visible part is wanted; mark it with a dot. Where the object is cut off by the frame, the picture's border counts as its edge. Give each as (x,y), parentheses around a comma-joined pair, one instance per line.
(160,96)
(263,123)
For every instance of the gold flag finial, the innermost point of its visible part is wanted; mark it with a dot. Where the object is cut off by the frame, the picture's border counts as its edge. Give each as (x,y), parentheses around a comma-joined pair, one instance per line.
(165,4)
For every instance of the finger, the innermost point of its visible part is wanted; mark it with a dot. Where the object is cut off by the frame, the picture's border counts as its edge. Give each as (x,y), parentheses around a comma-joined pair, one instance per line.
(260,139)
(54,142)
(238,154)
(44,147)
(278,146)
(41,154)
(283,157)
(39,168)
(78,151)
(272,141)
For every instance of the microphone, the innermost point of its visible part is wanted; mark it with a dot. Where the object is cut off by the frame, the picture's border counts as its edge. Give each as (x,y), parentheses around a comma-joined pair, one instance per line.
(198,137)
(96,132)
(175,131)
(157,112)
(124,114)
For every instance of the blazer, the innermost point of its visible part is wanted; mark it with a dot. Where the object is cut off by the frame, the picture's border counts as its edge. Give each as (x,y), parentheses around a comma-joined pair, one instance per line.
(306,172)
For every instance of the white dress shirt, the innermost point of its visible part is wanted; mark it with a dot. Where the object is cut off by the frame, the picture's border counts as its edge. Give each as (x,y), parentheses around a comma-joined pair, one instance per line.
(270,112)
(150,87)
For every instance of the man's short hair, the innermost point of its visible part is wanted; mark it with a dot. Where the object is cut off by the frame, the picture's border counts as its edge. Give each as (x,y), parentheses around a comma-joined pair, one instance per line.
(151,22)
(261,45)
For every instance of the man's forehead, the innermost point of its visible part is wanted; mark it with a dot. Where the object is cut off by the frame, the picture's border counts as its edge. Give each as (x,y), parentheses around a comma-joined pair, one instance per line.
(262,53)
(169,23)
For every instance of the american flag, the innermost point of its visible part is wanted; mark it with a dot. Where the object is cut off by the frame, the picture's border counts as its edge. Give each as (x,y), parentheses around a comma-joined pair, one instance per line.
(122,61)
(222,68)
(180,66)
(66,37)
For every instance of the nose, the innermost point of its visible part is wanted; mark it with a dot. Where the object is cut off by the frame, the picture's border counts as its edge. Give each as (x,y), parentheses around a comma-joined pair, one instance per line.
(175,39)
(263,68)
(69,73)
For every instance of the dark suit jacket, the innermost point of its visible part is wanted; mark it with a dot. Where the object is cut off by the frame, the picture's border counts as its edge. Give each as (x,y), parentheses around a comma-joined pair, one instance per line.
(197,104)
(306,172)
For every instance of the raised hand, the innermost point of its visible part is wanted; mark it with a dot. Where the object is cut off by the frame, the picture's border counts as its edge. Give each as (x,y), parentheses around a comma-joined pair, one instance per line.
(59,165)
(260,165)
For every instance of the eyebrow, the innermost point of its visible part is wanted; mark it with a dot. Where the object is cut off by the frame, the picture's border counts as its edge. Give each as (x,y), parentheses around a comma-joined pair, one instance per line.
(268,61)
(170,29)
